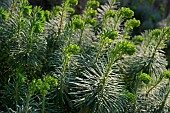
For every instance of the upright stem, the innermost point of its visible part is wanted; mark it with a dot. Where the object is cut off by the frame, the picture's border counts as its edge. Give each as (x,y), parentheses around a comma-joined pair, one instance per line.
(27,103)
(117,21)
(81,36)
(164,100)
(100,49)
(62,80)
(61,21)
(154,86)
(43,104)
(71,32)
(16,92)
(157,45)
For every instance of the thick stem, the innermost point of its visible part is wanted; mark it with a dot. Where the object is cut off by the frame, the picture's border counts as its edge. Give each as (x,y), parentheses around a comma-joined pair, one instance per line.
(43,104)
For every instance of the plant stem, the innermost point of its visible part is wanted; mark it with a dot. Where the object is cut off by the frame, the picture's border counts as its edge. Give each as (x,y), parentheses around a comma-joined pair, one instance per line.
(62,78)
(16,92)
(81,36)
(100,49)
(43,104)
(153,86)
(61,21)
(164,100)
(71,32)
(27,103)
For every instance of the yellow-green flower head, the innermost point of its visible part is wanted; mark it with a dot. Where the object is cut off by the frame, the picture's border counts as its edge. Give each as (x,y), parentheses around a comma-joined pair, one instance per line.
(132,23)
(32,86)
(91,21)
(91,12)
(156,33)
(47,14)
(145,78)
(56,10)
(53,82)
(40,15)
(72,49)
(38,84)
(77,22)
(70,10)
(76,17)
(166,74)
(126,12)
(38,27)
(27,10)
(93,4)
(112,34)
(129,96)
(110,13)
(127,48)
(167,30)
(137,39)
(73,2)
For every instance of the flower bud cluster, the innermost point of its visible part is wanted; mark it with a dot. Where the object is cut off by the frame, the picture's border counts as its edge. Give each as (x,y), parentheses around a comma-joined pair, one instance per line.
(91,12)
(56,10)
(126,12)
(112,35)
(93,4)
(27,10)
(110,13)
(132,23)
(42,86)
(144,78)
(166,74)
(129,96)
(73,2)
(127,48)
(137,39)
(155,33)
(77,22)
(72,49)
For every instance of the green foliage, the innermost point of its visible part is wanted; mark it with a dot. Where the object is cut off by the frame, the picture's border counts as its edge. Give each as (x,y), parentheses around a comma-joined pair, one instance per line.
(132,23)
(126,12)
(144,78)
(137,39)
(89,63)
(3,14)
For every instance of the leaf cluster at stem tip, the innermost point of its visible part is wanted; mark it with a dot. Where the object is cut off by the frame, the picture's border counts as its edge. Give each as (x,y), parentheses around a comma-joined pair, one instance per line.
(3,14)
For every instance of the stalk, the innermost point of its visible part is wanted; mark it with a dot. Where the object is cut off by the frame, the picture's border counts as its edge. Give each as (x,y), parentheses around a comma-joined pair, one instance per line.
(16,92)
(43,104)
(71,32)
(154,86)
(27,103)
(100,49)
(62,80)
(61,21)
(81,36)
(164,100)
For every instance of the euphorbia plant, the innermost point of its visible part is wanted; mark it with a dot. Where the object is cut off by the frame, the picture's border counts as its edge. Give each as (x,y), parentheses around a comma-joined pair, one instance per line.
(99,65)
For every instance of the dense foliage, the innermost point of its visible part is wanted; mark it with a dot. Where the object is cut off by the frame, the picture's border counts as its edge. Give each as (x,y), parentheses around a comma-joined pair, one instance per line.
(56,62)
